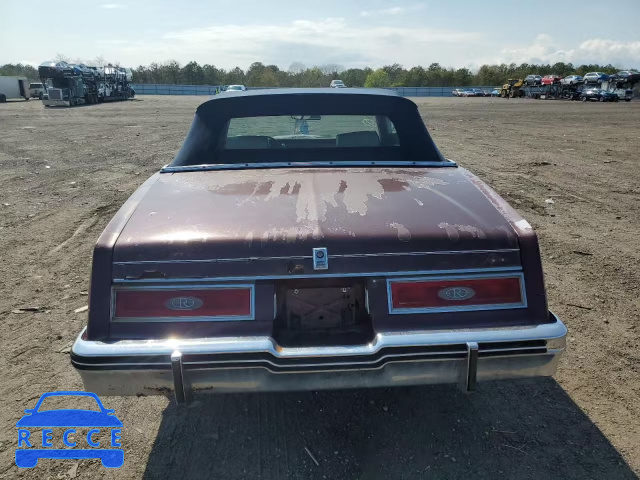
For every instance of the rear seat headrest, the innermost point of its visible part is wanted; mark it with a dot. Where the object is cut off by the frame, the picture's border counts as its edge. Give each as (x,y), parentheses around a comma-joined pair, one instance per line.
(358,139)
(247,142)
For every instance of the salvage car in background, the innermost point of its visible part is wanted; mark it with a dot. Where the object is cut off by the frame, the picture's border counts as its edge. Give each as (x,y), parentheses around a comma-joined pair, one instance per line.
(571,80)
(36,90)
(595,77)
(533,80)
(627,76)
(550,80)
(308,239)
(235,88)
(593,93)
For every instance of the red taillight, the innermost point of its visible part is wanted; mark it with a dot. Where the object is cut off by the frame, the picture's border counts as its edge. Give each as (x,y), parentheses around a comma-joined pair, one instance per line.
(410,295)
(206,303)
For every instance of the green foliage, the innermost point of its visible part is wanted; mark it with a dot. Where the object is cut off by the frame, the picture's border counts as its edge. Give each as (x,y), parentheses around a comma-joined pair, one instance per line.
(298,75)
(19,70)
(378,79)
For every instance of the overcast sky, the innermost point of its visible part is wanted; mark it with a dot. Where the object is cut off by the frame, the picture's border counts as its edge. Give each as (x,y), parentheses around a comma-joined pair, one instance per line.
(350,33)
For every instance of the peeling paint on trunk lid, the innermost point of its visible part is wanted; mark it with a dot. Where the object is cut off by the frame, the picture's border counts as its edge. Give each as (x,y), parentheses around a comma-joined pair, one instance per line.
(285,212)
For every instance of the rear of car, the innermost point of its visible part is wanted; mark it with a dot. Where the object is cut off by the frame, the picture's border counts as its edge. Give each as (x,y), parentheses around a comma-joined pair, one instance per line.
(325,243)
(36,90)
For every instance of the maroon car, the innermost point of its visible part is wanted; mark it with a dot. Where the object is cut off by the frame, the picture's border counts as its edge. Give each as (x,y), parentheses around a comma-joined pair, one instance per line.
(312,239)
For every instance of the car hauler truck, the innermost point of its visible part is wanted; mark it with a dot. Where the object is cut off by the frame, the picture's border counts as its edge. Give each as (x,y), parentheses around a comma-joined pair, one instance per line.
(69,85)
(620,86)
(14,87)
(115,83)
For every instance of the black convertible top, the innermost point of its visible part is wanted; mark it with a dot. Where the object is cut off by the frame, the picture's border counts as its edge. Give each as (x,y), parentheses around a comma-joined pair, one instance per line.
(262,92)
(201,144)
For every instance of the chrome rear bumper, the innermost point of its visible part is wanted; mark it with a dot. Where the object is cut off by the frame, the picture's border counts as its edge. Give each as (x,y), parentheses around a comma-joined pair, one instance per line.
(252,364)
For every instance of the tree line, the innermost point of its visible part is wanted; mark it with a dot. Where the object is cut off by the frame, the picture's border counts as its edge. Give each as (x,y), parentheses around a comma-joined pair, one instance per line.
(298,75)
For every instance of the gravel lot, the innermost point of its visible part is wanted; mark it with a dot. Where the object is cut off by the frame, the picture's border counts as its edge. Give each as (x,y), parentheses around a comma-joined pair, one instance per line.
(570,168)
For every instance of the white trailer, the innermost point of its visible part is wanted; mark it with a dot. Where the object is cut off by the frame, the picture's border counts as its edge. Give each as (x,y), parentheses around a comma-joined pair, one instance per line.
(14,87)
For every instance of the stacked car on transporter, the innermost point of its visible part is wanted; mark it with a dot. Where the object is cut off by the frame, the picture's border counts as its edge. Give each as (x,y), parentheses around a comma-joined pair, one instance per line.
(68,85)
(593,86)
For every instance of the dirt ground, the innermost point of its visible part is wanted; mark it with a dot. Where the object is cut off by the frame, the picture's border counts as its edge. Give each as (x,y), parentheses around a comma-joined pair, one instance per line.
(570,168)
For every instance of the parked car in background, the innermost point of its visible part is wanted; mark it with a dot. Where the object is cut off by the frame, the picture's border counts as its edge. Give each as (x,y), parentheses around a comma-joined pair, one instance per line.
(594,93)
(625,95)
(469,92)
(550,80)
(478,92)
(36,90)
(533,80)
(457,92)
(572,94)
(307,239)
(337,84)
(628,76)
(495,92)
(571,80)
(486,93)
(235,88)
(595,77)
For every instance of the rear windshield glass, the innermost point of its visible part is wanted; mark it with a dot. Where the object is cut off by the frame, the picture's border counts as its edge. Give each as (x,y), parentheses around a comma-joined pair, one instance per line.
(310,131)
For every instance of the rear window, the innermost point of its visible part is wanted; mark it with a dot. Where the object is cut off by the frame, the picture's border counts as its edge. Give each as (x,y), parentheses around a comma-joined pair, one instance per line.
(310,131)
(35,85)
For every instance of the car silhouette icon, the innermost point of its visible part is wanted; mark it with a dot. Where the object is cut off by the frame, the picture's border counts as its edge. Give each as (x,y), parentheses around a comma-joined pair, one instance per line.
(71,419)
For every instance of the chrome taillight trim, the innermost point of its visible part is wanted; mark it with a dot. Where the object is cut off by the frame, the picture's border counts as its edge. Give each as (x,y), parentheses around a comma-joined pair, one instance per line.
(180,287)
(308,257)
(461,308)
(429,273)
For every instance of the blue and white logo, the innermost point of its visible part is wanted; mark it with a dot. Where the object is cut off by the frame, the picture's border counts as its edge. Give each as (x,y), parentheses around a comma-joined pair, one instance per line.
(37,438)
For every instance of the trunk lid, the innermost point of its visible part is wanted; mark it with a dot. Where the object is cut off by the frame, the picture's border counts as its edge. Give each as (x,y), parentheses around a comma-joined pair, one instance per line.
(251,222)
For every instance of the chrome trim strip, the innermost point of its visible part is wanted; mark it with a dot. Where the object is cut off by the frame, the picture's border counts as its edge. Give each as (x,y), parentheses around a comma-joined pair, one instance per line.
(144,381)
(250,362)
(555,332)
(317,275)
(366,299)
(461,308)
(511,349)
(440,252)
(221,318)
(305,257)
(257,165)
